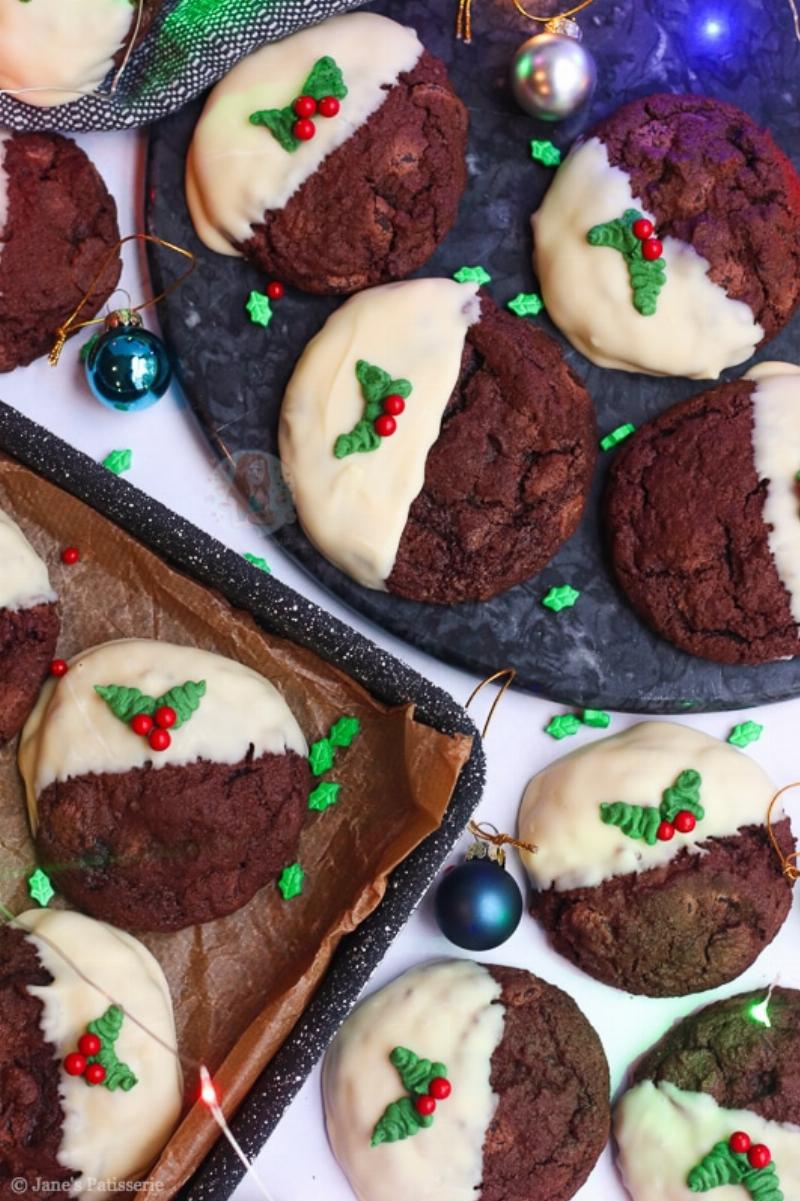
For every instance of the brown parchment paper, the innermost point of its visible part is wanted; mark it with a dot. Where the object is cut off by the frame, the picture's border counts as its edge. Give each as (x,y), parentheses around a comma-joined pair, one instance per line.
(238,984)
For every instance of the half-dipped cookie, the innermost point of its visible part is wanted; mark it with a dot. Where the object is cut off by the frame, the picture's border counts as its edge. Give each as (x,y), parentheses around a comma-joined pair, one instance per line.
(654,870)
(702,519)
(436,447)
(90,1079)
(28,626)
(484,1083)
(334,159)
(165,784)
(714,1107)
(669,240)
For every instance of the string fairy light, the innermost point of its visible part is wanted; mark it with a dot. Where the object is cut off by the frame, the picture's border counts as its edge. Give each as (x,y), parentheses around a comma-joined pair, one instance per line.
(759,1010)
(210,1098)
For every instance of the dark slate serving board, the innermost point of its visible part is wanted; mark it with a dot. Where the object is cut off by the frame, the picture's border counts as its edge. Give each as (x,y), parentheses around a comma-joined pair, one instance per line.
(234,373)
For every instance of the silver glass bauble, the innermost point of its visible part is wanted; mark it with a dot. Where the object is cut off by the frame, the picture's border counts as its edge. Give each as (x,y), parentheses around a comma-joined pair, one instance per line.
(552,75)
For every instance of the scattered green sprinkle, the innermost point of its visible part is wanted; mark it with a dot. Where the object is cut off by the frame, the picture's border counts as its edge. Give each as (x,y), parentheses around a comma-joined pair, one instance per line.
(526,304)
(258,562)
(290,881)
(562,726)
(597,718)
(472,275)
(118,461)
(324,795)
(259,309)
(745,733)
(320,756)
(546,153)
(344,730)
(616,436)
(562,597)
(40,888)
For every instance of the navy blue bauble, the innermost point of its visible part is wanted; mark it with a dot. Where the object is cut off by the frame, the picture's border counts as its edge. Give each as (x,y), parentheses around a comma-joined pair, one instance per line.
(127,367)
(478,905)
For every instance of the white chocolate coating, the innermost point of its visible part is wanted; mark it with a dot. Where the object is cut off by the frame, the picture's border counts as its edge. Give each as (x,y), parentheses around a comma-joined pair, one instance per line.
(662,1132)
(697,330)
(560,810)
(776,450)
(73,732)
(108,1136)
(236,171)
(23,576)
(60,48)
(444,1012)
(355,509)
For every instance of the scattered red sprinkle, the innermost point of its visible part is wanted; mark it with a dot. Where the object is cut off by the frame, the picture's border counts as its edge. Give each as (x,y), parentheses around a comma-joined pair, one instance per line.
(159,740)
(739,1142)
(89,1045)
(652,249)
(394,405)
(95,1073)
(75,1064)
(685,821)
(59,667)
(142,724)
(304,130)
(425,1106)
(665,831)
(276,290)
(759,1156)
(385,425)
(440,1088)
(329,106)
(642,228)
(165,717)
(70,555)
(305,106)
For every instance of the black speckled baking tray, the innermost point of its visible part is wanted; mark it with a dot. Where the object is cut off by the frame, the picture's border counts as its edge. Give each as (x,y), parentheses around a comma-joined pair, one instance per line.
(597,653)
(285,613)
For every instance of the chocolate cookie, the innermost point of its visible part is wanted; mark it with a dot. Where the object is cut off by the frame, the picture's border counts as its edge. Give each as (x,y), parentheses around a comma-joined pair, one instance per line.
(712,273)
(717,1102)
(57,225)
(517,1077)
(59,973)
(166,826)
(373,188)
(479,478)
(701,518)
(28,626)
(654,871)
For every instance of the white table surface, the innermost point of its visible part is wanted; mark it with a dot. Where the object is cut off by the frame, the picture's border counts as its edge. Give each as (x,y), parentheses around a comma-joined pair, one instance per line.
(172,462)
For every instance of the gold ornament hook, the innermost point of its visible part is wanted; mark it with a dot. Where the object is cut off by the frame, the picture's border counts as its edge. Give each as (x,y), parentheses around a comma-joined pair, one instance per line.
(510,674)
(552,24)
(788,862)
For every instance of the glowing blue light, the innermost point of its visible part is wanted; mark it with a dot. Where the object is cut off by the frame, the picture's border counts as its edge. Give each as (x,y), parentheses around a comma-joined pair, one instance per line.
(713,27)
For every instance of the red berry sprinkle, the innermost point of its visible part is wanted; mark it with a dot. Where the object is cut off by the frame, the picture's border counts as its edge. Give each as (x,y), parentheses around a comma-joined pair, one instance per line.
(75,1064)
(440,1088)
(665,831)
(685,821)
(642,228)
(70,555)
(329,106)
(304,130)
(159,740)
(739,1142)
(305,106)
(652,249)
(385,425)
(759,1156)
(89,1045)
(59,667)
(165,717)
(142,724)
(425,1105)
(95,1073)
(394,405)
(275,290)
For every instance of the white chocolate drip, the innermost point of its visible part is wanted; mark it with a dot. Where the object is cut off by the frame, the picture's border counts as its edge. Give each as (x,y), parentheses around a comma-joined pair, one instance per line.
(23,576)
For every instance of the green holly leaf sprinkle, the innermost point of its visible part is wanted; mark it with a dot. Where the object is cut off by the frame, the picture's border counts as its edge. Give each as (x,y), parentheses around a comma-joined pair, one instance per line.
(546,153)
(118,461)
(107,1028)
(647,277)
(343,731)
(258,562)
(325,79)
(745,733)
(526,304)
(376,384)
(472,275)
(562,726)
(597,718)
(320,756)
(617,435)
(324,795)
(259,309)
(562,597)
(290,881)
(88,345)
(40,888)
